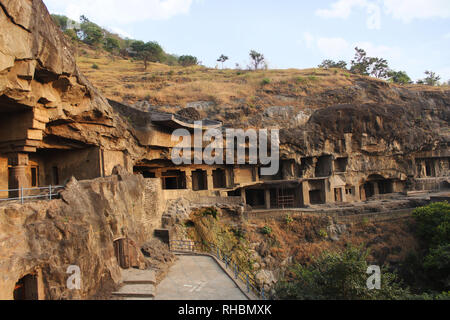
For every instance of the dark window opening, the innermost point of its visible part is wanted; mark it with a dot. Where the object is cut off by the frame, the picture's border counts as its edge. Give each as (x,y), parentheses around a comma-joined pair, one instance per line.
(148,175)
(340,164)
(317,196)
(430,168)
(256,198)
(26,288)
(235,193)
(323,166)
(34,177)
(174,180)
(199,180)
(219,179)
(55,176)
(385,187)
(369,189)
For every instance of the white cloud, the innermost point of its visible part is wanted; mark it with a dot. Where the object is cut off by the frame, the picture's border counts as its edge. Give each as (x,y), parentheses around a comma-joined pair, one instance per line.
(408,10)
(121,32)
(341,49)
(309,40)
(343,9)
(404,10)
(335,48)
(120,11)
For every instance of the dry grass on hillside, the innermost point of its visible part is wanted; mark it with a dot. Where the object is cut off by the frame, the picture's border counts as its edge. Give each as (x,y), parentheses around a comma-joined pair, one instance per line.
(126,80)
(306,238)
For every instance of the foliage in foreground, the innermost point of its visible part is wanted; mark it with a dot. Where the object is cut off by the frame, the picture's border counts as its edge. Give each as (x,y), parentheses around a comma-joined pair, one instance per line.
(338,276)
(433,228)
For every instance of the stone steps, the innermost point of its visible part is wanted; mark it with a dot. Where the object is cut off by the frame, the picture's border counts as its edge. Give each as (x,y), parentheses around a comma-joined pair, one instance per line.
(136,291)
(138,285)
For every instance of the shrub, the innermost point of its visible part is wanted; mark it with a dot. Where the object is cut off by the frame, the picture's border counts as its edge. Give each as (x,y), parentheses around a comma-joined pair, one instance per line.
(210,212)
(266,230)
(323,233)
(289,219)
(338,276)
(265,81)
(433,223)
(95,66)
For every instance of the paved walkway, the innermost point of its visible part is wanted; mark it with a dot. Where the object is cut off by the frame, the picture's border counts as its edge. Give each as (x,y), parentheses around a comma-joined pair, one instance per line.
(197,278)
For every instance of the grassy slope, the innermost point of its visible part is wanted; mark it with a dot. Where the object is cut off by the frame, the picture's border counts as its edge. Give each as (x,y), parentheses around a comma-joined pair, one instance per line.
(162,85)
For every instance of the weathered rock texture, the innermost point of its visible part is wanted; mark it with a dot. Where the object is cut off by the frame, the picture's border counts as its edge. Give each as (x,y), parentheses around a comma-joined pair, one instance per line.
(78,229)
(40,80)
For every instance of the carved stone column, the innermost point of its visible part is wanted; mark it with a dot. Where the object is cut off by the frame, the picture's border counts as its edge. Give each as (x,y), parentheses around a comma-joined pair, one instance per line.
(18,177)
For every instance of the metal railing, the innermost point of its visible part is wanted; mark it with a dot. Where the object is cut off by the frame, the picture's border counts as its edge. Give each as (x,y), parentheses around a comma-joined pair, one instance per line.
(47,193)
(201,247)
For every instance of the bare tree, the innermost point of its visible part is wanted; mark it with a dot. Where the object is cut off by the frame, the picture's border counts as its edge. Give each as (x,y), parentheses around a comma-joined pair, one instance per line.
(257,60)
(222,59)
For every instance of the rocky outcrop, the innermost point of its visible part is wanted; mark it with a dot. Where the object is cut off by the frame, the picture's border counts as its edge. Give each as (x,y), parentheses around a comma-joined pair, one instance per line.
(78,229)
(39,75)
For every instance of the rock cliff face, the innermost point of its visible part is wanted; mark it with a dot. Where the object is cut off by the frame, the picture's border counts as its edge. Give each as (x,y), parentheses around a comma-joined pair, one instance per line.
(40,80)
(47,237)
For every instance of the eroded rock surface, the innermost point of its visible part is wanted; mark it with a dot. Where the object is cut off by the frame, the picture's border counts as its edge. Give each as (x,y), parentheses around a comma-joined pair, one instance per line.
(78,229)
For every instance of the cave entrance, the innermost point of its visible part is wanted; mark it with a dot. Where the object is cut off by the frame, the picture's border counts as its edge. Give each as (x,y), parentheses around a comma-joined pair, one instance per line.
(173,180)
(199,180)
(369,189)
(122,252)
(340,165)
(256,198)
(317,192)
(219,179)
(27,288)
(338,195)
(377,184)
(323,166)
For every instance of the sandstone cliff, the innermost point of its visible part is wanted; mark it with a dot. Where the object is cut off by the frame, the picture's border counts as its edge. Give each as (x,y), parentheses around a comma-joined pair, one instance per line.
(79,229)
(39,77)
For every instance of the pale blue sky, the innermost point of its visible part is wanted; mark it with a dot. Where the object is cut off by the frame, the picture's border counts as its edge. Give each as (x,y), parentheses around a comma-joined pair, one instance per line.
(414,35)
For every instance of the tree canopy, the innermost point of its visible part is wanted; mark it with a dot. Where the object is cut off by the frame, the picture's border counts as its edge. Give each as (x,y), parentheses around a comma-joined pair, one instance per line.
(328,64)
(257,60)
(148,52)
(188,60)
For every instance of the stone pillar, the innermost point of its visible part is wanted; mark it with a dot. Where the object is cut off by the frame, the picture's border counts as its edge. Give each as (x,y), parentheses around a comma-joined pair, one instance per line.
(362,193)
(376,188)
(305,191)
(267,198)
(188,173)
(243,196)
(210,179)
(18,177)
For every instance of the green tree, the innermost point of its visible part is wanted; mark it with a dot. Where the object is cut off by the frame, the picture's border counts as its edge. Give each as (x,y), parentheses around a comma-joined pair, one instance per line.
(187,61)
(400,77)
(338,276)
(433,224)
(60,21)
(328,64)
(148,52)
(222,59)
(380,68)
(432,79)
(364,65)
(361,63)
(111,44)
(433,228)
(91,33)
(72,34)
(257,60)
